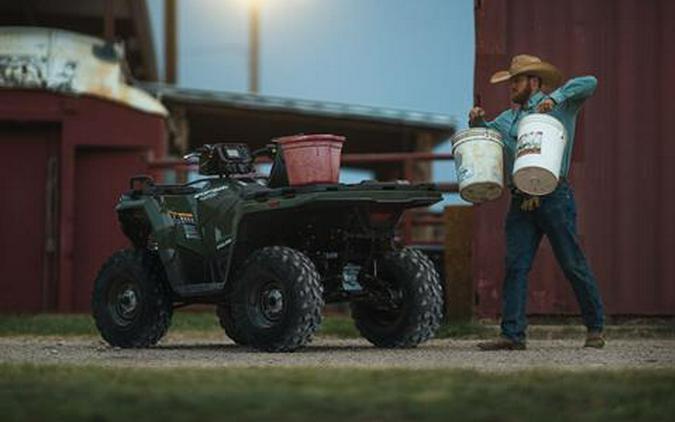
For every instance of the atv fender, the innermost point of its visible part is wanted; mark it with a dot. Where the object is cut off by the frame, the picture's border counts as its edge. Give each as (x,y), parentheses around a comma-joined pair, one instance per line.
(141,218)
(147,211)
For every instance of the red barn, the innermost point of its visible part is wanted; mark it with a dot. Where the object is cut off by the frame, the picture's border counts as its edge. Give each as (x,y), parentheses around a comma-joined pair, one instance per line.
(71,133)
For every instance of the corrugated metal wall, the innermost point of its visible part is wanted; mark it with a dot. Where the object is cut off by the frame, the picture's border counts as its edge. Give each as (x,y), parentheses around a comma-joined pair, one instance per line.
(623,169)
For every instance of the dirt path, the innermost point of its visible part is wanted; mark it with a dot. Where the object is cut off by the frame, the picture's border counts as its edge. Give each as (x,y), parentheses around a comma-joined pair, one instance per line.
(176,351)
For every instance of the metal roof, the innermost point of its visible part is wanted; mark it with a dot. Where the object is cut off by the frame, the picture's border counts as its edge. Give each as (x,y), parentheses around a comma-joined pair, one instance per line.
(326,109)
(68,62)
(131,17)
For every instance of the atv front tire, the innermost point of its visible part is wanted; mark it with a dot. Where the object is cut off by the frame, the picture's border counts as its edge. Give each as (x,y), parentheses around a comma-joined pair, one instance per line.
(277,300)
(414,286)
(130,301)
(224,313)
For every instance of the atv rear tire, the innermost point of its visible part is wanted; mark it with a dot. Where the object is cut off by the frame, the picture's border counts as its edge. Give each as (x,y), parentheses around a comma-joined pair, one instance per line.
(224,313)
(415,283)
(277,300)
(130,301)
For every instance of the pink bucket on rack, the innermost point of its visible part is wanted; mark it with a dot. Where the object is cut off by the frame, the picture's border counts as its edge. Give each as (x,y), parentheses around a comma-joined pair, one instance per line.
(312,159)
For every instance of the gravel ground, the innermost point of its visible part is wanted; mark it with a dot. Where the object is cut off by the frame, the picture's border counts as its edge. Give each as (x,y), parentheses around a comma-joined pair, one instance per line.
(181,351)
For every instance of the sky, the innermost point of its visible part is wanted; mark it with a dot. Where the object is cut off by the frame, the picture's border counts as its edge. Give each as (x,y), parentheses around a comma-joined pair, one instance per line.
(412,55)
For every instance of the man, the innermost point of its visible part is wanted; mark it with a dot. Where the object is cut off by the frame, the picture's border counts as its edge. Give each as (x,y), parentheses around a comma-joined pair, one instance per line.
(553,215)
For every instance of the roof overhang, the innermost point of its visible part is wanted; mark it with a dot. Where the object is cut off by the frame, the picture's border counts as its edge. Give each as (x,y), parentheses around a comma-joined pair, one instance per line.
(215,116)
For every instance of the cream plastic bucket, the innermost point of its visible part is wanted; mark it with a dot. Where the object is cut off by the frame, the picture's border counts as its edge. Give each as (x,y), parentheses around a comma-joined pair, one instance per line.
(539,153)
(479,161)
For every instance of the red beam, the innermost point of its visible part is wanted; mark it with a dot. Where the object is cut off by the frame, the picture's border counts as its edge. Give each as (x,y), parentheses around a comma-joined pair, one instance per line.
(393,157)
(448,187)
(427,220)
(172,163)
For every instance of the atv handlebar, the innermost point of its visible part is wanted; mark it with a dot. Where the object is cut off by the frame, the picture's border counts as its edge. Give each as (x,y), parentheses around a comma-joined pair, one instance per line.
(269,150)
(191,156)
(143,179)
(198,152)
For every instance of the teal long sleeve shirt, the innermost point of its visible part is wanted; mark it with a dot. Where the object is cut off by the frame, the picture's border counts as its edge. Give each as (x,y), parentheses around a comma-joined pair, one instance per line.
(568,101)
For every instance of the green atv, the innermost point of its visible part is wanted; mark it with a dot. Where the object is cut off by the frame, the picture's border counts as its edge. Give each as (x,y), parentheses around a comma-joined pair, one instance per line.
(268,255)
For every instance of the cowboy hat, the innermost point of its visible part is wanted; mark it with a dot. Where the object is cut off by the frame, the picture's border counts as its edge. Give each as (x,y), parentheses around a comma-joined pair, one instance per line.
(524,64)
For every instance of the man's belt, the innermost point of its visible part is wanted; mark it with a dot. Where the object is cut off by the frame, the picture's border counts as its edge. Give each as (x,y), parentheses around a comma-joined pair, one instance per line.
(531,202)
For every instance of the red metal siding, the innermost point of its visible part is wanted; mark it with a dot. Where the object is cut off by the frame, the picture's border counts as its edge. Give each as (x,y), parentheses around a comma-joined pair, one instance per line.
(81,122)
(622,169)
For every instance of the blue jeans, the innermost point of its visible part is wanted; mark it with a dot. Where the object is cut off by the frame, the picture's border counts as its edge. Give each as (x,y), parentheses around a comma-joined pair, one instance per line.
(555,218)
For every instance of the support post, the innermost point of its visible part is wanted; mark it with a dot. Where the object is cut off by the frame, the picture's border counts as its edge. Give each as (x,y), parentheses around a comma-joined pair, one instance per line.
(254,46)
(170,41)
(109,20)
(459,289)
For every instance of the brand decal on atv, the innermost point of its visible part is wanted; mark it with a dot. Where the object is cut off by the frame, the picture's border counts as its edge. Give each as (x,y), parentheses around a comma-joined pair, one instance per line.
(182,217)
(223,244)
(187,221)
(208,194)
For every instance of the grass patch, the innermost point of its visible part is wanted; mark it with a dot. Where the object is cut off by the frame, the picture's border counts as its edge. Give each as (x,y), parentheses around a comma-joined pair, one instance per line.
(83,325)
(195,321)
(467,330)
(340,326)
(47,324)
(92,393)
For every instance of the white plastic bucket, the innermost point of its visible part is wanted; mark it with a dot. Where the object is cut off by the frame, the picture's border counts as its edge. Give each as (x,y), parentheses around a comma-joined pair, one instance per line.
(539,153)
(479,160)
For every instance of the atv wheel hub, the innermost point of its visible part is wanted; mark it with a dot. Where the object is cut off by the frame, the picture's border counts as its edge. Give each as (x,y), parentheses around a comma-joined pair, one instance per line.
(128,301)
(272,303)
(123,303)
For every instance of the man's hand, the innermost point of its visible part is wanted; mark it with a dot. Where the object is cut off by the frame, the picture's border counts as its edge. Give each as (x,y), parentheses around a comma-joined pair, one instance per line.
(475,114)
(546,106)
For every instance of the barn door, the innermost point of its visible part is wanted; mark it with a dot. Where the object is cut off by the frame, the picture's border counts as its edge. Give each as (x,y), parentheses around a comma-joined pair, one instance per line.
(101,176)
(29,186)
